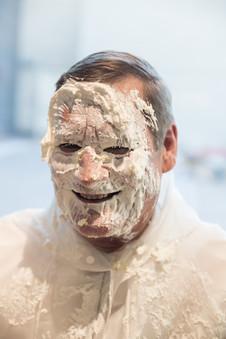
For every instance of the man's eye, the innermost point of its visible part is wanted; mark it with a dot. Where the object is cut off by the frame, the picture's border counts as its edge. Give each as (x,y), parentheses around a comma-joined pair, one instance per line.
(69,148)
(117,150)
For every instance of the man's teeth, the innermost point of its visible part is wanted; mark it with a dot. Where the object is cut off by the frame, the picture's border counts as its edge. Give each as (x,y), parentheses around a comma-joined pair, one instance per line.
(93,196)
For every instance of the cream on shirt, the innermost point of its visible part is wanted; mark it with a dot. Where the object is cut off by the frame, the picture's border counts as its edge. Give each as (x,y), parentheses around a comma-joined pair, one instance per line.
(170,283)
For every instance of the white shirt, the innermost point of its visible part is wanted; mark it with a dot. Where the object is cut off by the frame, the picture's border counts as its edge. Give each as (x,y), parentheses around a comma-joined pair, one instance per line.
(170,283)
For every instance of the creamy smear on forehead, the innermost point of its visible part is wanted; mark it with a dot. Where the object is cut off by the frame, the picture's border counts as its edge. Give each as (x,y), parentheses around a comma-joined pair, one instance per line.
(96,116)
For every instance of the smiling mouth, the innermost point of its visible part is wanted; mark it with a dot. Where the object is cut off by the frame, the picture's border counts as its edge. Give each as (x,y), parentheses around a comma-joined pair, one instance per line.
(94,198)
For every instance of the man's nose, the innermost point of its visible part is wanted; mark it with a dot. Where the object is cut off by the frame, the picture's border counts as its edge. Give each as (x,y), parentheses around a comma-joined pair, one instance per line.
(91,167)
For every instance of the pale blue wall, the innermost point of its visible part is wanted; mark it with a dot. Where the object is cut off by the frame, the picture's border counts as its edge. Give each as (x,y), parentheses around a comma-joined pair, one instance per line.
(9,14)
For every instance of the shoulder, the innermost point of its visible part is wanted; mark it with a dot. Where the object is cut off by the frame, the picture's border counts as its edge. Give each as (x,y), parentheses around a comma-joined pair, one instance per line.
(17,224)
(16,231)
(204,251)
(201,246)
(209,240)
(23,260)
(194,234)
(21,216)
(210,244)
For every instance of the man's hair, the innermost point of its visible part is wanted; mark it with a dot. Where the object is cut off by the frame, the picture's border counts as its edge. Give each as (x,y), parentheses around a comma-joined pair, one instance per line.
(111,66)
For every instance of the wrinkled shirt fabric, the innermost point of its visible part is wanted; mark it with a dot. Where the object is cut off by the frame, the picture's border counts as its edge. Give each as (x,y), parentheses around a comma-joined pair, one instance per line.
(170,283)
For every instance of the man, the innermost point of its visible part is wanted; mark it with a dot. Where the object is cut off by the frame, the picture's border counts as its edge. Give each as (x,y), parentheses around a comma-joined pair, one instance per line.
(119,254)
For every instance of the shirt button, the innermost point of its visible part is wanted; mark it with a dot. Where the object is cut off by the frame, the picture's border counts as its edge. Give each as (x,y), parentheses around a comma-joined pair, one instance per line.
(141,249)
(90,260)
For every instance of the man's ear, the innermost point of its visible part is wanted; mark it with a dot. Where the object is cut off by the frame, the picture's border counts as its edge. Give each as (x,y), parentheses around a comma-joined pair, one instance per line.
(169,149)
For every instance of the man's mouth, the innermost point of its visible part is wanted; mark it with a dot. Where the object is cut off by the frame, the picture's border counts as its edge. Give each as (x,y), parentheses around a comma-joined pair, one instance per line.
(94,198)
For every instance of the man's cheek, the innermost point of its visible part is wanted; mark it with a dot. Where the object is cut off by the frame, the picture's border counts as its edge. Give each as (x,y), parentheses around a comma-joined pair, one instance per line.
(62,175)
(136,165)
(124,175)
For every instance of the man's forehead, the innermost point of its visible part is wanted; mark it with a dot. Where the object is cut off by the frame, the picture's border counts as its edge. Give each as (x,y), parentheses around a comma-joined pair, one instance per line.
(119,104)
(86,118)
(75,100)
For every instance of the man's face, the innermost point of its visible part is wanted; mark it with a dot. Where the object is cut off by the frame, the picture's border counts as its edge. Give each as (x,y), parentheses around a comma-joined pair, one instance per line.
(104,166)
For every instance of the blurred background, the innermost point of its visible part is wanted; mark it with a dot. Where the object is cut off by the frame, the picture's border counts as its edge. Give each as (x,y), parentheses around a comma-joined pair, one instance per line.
(184,40)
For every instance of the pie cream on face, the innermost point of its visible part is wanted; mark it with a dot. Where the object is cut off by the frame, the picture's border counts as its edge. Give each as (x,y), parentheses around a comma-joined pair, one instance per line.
(101,164)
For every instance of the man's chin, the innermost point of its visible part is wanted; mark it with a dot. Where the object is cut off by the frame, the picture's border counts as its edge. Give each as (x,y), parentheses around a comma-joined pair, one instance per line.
(92,224)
